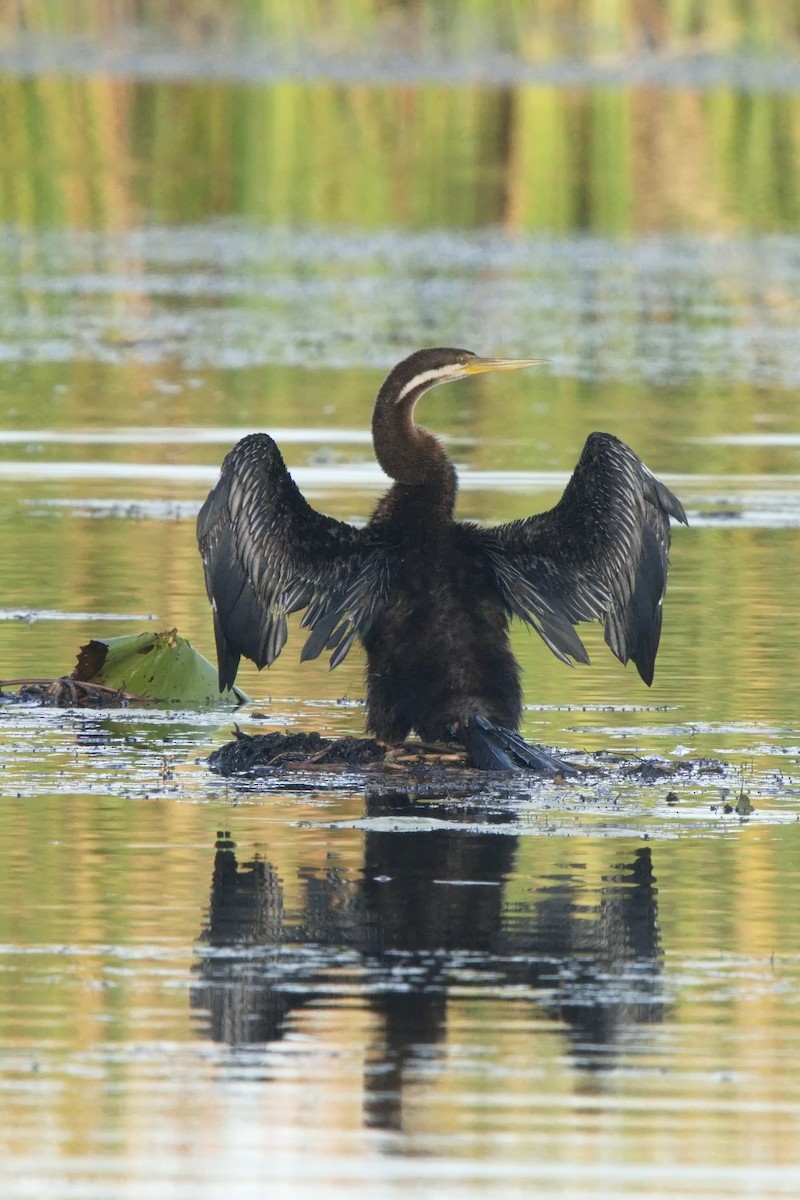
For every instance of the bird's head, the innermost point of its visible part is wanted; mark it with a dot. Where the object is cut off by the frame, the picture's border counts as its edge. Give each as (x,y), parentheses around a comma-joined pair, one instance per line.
(427,368)
(408,453)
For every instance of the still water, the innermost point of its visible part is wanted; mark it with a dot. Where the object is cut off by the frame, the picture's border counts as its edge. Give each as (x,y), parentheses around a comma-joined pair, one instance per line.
(321,985)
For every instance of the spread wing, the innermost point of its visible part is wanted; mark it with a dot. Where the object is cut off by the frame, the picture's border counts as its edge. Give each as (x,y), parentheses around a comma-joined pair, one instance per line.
(267,553)
(600,554)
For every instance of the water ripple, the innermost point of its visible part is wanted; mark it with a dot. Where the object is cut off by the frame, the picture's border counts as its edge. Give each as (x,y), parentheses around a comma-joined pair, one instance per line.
(664,309)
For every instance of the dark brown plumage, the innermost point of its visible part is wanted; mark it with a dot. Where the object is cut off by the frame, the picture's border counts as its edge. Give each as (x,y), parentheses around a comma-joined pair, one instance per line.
(429,597)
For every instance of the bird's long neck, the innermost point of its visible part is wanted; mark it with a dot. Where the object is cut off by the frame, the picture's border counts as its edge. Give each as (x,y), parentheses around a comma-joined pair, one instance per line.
(411,455)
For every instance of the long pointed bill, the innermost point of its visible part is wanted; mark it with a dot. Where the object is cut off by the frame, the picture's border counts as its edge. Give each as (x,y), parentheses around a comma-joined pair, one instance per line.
(476,366)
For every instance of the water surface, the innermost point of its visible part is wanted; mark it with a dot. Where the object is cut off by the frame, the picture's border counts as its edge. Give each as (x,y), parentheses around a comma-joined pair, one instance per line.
(361,987)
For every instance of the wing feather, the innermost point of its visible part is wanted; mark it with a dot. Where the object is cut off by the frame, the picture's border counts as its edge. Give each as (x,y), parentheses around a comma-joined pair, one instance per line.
(267,553)
(600,554)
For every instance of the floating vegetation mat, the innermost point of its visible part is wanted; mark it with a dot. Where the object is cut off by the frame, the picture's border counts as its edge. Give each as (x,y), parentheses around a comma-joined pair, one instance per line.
(133,754)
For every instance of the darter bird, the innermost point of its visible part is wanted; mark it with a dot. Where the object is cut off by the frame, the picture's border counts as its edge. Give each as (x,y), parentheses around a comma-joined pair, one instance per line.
(431,598)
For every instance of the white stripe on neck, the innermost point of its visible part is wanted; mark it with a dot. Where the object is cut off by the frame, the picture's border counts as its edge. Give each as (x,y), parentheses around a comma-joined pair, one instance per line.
(427,379)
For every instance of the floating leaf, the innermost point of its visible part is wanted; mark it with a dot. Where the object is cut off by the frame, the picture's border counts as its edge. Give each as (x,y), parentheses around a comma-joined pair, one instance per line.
(159,666)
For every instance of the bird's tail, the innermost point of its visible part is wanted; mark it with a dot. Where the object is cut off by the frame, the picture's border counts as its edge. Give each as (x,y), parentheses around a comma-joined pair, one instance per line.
(494,748)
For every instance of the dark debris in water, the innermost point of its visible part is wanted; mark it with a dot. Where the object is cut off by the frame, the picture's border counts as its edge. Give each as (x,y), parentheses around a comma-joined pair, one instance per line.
(258,754)
(67,692)
(431,770)
(650,770)
(276,755)
(251,753)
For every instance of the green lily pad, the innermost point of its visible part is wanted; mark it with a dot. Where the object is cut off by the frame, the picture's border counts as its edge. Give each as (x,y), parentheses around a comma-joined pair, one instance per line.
(158,666)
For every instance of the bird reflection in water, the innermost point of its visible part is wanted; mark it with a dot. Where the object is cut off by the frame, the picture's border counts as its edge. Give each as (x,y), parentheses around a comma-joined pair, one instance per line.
(590,959)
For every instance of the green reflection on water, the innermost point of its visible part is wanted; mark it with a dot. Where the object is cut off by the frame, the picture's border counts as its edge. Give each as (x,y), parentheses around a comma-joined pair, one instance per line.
(103,153)
(549,29)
